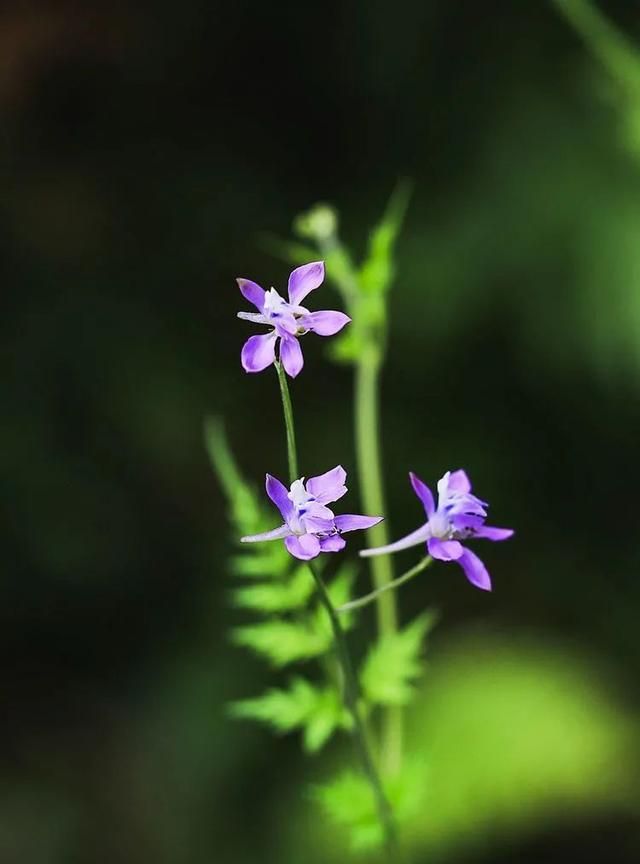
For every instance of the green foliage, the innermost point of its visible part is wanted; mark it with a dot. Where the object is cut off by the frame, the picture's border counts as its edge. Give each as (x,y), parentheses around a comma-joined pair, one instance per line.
(348,802)
(283,642)
(378,269)
(308,634)
(394,663)
(318,711)
(275,596)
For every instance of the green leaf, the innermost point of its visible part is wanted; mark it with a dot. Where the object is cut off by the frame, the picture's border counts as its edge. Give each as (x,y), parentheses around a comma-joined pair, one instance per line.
(348,802)
(283,642)
(276,596)
(378,270)
(393,664)
(317,711)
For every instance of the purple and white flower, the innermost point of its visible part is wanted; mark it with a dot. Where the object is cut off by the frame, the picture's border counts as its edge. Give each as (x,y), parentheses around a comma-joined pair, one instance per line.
(310,527)
(287,319)
(458,516)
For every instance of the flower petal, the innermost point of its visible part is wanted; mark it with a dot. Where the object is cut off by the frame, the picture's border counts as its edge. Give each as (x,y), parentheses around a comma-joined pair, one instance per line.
(324,323)
(258,352)
(474,570)
(276,534)
(414,539)
(350,522)
(252,292)
(424,494)
(459,482)
(328,486)
(304,547)
(490,533)
(305,279)
(291,356)
(444,550)
(334,543)
(279,494)
(454,481)
(318,525)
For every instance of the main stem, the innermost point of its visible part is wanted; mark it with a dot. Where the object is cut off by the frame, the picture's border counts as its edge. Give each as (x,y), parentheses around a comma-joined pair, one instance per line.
(385,814)
(292,453)
(350,682)
(367,421)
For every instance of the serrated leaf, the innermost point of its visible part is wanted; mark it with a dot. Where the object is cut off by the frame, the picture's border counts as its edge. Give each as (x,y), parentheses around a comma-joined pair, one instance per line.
(283,642)
(393,664)
(317,711)
(276,596)
(378,270)
(348,802)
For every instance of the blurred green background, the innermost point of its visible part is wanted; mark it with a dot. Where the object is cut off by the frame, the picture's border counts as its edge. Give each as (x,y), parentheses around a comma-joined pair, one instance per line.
(149,153)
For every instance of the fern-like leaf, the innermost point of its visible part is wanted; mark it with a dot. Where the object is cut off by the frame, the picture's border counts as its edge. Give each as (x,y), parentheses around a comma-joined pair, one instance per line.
(394,663)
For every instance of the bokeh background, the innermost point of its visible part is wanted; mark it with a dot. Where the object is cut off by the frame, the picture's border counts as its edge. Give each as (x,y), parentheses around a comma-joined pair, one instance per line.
(150,153)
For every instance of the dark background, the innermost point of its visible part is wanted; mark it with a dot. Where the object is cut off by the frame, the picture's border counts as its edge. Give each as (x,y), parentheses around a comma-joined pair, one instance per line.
(148,151)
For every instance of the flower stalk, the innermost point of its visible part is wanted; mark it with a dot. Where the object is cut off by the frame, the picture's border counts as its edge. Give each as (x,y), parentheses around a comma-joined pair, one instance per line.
(287,410)
(389,586)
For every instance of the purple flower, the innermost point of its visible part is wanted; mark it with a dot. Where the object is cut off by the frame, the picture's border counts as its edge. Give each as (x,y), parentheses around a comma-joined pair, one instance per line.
(287,319)
(459,516)
(310,527)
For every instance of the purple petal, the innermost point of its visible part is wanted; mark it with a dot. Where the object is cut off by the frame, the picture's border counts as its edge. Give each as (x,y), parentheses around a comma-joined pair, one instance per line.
(328,486)
(305,279)
(324,323)
(474,570)
(318,525)
(304,547)
(291,356)
(424,494)
(356,523)
(444,550)
(490,533)
(279,494)
(414,539)
(334,543)
(313,509)
(252,292)
(276,534)
(258,352)
(459,482)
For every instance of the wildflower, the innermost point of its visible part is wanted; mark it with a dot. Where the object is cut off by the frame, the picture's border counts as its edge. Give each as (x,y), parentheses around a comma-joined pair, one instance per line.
(459,516)
(310,527)
(287,319)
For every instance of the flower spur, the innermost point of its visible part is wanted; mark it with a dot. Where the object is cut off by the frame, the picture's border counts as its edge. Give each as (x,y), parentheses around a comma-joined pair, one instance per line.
(288,320)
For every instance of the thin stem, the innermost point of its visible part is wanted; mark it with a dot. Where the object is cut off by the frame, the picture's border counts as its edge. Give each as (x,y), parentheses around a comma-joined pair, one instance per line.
(367,422)
(609,44)
(292,454)
(395,583)
(385,814)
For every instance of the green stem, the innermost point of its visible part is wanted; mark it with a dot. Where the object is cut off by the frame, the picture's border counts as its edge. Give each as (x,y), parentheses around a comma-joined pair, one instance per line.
(383,808)
(385,814)
(395,583)
(292,454)
(367,422)
(609,44)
